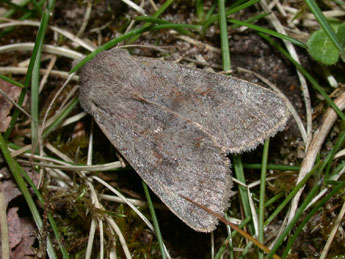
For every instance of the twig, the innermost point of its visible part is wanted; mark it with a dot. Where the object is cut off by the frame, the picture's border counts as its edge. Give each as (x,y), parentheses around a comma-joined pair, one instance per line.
(23,70)
(63,32)
(29,46)
(320,135)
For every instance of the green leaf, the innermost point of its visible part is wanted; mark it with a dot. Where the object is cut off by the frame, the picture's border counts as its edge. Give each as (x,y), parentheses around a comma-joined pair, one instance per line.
(322,49)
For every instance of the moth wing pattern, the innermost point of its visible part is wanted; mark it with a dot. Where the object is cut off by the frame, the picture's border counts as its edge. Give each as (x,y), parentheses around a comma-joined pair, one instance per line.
(239,114)
(173,155)
(174,125)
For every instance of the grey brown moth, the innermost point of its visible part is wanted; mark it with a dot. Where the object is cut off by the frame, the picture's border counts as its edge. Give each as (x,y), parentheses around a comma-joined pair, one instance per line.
(175,126)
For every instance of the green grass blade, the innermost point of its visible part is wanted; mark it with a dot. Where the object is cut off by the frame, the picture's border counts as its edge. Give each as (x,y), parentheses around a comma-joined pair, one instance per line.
(167,25)
(224,36)
(215,18)
(243,194)
(63,250)
(155,220)
(199,6)
(35,84)
(35,80)
(211,10)
(151,19)
(251,19)
(262,195)
(177,27)
(269,32)
(11,81)
(108,45)
(274,199)
(273,167)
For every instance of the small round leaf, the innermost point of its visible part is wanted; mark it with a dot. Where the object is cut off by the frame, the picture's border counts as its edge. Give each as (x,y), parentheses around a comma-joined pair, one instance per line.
(322,49)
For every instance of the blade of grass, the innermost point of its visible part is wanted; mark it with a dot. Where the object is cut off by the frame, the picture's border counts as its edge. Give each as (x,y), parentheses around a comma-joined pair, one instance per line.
(229,232)
(238,168)
(273,167)
(337,170)
(251,19)
(178,27)
(11,81)
(269,32)
(123,37)
(107,46)
(35,82)
(199,6)
(262,194)
(155,220)
(307,75)
(211,10)
(274,199)
(224,42)
(228,12)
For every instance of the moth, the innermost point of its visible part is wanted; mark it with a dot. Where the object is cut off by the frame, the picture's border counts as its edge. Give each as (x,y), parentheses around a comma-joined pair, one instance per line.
(176,125)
